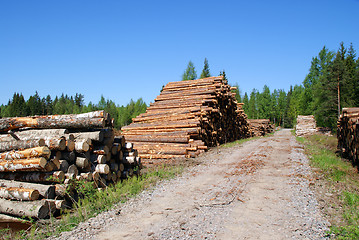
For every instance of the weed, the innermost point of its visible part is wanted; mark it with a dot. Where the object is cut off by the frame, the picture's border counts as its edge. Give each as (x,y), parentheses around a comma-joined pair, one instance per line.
(321,150)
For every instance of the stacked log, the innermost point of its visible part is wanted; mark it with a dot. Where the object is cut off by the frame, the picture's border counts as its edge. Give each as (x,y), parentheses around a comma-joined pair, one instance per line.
(306,125)
(348,134)
(187,118)
(260,127)
(41,165)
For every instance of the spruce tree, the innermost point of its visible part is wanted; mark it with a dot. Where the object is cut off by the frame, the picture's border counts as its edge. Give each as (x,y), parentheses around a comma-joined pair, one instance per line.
(190,72)
(205,72)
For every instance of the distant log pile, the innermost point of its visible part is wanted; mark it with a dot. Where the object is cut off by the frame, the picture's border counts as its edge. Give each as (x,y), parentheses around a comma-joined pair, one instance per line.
(187,118)
(306,125)
(39,167)
(348,134)
(260,127)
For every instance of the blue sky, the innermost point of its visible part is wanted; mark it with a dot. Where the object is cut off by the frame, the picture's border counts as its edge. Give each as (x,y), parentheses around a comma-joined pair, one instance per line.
(129,49)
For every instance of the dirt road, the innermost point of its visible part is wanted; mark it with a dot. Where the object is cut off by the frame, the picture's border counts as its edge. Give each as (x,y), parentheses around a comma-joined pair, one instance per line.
(258,190)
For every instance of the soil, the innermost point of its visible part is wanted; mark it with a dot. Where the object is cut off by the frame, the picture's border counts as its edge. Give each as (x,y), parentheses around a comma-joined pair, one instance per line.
(256,190)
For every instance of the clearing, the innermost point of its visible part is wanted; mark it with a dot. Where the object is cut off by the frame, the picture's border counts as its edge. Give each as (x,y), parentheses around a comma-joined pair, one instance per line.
(256,190)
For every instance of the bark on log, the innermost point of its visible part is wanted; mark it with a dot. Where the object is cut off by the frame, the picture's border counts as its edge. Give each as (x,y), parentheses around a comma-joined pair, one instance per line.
(34,134)
(35,177)
(195,130)
(27,153)
(160,139)
(37,209)
(95,136)
(160,125)
(22,194)
(22,144)
(7,124)
(31,164)
(45,191)
(161,156)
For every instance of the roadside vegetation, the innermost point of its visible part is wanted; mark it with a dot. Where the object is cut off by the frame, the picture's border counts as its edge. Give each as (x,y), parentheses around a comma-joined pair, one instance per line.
(95,202)
(341,184)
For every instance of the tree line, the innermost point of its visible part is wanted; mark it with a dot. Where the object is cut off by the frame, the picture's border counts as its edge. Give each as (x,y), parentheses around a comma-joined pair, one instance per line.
(331,84)
(35,105)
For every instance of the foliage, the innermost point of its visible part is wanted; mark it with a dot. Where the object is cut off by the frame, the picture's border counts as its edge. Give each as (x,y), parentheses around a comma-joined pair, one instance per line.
(331,84)
(205,72)
(344,178)
(35,105)
(190,72)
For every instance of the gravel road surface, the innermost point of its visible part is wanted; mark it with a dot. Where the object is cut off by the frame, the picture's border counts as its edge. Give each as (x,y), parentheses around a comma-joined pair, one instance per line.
(257,190)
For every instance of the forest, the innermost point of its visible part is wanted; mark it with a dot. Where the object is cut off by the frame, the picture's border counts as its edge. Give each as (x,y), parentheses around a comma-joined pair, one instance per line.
(35,105)
(331,84)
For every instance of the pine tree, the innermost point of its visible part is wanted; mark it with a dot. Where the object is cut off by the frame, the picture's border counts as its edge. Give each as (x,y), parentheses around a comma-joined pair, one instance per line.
(205,72)
(190,72)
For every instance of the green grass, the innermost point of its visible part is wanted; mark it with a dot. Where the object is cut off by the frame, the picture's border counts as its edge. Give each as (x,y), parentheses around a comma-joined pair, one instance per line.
(96,201)
(342,175)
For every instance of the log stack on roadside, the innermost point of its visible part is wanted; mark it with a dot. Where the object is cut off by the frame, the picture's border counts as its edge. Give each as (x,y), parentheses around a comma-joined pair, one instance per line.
(41,158)
(348,134)
(260,127)
(306,125)
(187,118)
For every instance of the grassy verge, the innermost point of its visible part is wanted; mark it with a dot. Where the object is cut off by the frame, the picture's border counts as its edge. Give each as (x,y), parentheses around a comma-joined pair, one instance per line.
(96,202)
(341,178)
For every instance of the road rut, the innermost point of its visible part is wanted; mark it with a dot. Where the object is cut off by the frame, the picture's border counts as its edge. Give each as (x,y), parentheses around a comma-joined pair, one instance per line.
(257,190)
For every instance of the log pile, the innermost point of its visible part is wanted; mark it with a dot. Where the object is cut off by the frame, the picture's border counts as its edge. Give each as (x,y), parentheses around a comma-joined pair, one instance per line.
(348,134)
(187,118)
(41,158)
(260,127)
(306,125)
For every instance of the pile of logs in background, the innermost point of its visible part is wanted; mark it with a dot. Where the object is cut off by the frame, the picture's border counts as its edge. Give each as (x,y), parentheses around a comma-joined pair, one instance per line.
(187,118)
(306,125)
(259,127)
(348,134)
(41,158)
